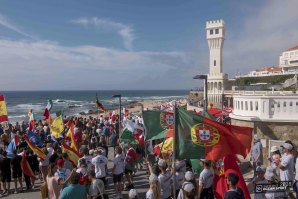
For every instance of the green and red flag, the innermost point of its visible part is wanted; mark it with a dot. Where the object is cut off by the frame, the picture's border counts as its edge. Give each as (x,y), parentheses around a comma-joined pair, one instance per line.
(201,137)
(99,105)
(157,122)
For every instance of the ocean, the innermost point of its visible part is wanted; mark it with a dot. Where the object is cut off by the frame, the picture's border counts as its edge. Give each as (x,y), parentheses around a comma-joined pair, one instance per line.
(74,102)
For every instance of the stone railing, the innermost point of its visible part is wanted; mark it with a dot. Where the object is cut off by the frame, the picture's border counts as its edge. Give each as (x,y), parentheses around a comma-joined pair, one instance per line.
(279,108)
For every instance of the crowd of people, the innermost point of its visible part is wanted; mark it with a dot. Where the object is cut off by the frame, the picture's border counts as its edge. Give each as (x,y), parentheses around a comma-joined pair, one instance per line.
(88,178)
(282,167)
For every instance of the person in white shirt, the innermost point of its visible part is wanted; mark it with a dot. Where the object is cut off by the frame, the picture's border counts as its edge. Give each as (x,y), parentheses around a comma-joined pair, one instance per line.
(97,187)
(87,157)
(188,179)
(260,179)
(154,190)
(100,163)
(179,177)
(206,180)
(62,173)
(165,180)
(118,171)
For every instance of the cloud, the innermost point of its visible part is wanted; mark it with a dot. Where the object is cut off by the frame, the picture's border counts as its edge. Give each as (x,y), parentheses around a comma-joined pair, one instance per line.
(45,65)
(125,31)
(267,32)
(4,21)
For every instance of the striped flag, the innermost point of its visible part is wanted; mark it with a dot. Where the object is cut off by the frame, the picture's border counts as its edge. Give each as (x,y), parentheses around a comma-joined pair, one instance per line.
(31,120)
(70,134)
(12,146)
(74,156)
(26,167)
(3,110)
(35,149)
(47,110)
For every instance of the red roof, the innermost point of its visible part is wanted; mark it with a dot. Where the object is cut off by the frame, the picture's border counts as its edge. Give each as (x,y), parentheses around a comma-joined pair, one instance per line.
(293,48)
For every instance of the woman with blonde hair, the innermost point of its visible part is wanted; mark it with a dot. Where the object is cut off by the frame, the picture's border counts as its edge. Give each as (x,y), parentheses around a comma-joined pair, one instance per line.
(154,190)
(53,182)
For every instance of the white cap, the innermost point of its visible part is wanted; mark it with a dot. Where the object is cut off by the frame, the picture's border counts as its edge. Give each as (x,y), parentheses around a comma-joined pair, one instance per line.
(287,146)
(260,169)
(188,176)
(188,187)
(153,178)
(274,148)
(256,137)
(132,193)
(162,163)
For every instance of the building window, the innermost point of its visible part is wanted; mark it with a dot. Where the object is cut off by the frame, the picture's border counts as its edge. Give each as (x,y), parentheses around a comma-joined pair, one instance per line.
(256,105)
(211,32)
(216,31)
(251,106)
(246,106)
(214,62)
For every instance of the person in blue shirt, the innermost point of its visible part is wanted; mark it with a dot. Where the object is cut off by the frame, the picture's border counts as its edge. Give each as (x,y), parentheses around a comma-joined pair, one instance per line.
(74,190)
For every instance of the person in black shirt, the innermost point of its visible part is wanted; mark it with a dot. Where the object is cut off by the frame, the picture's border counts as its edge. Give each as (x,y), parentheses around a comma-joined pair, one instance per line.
(16,170)
(233,192)
(6,173)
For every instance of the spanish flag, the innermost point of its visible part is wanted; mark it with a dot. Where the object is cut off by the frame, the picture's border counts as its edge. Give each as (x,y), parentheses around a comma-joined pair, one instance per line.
(74,156)
(35,149)
(26,167)
(70,134)
(99,105)
(3,111)
(57,126)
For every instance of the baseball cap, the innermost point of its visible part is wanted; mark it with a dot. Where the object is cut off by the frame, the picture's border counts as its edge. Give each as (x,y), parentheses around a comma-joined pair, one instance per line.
(260,169)
(162,163)
(188,187)
(153,178)
(60,162)
(287,146)
(274,148)
(132,193)
(188,176)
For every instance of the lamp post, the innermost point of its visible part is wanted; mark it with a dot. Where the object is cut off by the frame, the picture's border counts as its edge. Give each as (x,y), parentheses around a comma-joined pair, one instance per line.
(119,96)
(204,77)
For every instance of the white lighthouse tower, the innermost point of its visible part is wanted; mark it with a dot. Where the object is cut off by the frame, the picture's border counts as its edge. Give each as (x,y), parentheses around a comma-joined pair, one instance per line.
(216,78)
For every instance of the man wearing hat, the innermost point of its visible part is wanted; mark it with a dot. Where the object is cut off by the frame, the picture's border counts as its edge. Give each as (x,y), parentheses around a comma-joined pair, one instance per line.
(164,179)
(257,153)
(100,163)
(287,163)
(260,179)
(206,180)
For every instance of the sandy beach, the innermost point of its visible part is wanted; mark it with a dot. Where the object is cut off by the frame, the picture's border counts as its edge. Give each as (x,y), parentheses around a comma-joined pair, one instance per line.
(135,108)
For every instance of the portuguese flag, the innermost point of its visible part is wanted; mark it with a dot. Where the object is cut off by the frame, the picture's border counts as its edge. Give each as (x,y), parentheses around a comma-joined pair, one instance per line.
(157,123)
(201,137)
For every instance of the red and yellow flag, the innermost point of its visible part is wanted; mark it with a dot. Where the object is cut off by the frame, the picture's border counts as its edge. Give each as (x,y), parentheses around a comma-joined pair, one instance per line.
(3,110)
(74,155)
(35,149)
(70,134)
(26,167)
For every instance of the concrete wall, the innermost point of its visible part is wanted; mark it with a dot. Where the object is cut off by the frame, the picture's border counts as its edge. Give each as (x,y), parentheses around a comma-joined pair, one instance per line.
(271,131)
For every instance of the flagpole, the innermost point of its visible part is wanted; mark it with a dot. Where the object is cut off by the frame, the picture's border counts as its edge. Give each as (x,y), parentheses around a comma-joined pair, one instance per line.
(174,152)
(142,108)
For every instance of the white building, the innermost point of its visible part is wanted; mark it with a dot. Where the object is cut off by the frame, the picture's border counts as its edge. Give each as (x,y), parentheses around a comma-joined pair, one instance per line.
(289,59)
(216,79)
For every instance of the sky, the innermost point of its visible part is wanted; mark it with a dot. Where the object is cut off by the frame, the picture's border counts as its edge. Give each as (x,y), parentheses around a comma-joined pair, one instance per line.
(133,44)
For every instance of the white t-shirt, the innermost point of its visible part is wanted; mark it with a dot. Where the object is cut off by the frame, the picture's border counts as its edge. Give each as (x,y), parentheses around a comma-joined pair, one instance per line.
(100,163)
(63,174)
(46,161)
(179,179)
(287,174)
(149,194)
(257,181)
(206,178)
(88,159)
(83,171)
(96,187)
(165,182)
(118,161)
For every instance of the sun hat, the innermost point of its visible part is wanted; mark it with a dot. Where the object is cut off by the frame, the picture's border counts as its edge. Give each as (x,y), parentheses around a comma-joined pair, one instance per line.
(188,176)
(287,146)
(188,187)
(132,193)
(274,148)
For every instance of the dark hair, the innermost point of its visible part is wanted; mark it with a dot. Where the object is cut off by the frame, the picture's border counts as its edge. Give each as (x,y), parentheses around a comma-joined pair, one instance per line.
(233,178)
(64,155)
(75,178)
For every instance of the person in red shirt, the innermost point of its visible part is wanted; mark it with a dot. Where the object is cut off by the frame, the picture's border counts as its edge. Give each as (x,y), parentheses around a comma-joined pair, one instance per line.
(130,160)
